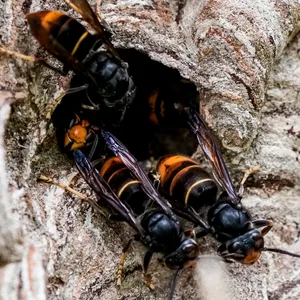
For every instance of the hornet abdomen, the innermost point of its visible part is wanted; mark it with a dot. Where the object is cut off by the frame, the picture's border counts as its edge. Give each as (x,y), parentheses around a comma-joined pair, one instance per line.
(186,181)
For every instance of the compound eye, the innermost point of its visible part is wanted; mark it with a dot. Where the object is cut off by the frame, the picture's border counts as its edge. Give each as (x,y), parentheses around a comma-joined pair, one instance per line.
(188,248)
(235,247)
(108,90)
(259,241)
(256,236)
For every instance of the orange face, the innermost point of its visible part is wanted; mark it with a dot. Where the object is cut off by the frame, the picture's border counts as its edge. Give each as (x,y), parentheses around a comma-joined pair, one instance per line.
(251,257)
(245,248)
(77,135)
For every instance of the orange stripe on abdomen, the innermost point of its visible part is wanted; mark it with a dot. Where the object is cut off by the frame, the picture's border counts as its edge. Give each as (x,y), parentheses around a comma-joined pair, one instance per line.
(110,166)
(193,186)
(179,175)
(168,167)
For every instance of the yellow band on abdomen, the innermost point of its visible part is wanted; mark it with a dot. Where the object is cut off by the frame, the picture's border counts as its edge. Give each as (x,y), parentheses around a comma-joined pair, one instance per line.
(125,186)
(192,186)
(78,42)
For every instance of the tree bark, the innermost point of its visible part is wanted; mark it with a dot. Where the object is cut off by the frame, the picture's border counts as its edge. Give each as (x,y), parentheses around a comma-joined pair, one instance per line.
(249,81)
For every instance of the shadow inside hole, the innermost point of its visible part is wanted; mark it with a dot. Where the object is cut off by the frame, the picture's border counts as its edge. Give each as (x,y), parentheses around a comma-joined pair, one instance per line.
(154,125)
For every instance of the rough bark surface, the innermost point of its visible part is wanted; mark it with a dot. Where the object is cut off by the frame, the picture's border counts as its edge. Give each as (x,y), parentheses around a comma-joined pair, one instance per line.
(235,52)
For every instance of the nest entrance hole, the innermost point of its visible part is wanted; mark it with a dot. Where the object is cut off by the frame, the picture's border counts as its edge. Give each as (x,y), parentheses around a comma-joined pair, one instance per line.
(153,128)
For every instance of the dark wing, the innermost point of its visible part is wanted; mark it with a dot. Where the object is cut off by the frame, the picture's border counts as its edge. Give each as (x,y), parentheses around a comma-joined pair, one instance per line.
(210,148)
(103,190)
(85,10)
(131,163)
(189,214)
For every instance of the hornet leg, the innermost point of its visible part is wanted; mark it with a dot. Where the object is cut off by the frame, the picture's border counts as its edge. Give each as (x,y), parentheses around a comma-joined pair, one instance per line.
(147,277)
(246,175)
(122,261)
(74,192)
(64,187)
(55,102)
(156,180)
(32,59)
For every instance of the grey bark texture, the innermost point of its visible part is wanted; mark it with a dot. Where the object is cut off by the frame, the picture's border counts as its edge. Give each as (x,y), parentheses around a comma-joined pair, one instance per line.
(244,58)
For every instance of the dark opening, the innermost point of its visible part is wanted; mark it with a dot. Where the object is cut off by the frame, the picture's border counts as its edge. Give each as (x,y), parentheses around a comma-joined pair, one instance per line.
(154,125)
